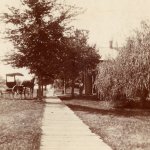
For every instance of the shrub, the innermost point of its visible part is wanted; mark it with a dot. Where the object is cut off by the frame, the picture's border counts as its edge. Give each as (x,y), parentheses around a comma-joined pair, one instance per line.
(129,74)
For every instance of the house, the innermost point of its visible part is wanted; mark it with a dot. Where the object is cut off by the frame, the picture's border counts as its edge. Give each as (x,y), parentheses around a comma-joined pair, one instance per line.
(109,52)
(106,53)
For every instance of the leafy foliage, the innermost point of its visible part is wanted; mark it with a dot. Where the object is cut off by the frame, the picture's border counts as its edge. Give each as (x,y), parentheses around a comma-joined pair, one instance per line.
(37,33)
(129,74)
(78,54)
(45,43)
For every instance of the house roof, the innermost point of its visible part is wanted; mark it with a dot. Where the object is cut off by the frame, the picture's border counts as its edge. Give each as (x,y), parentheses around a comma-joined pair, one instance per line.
(107,53)
(14,74)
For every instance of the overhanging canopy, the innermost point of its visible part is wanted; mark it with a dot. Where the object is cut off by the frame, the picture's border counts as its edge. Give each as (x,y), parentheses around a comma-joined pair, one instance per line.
(14,74)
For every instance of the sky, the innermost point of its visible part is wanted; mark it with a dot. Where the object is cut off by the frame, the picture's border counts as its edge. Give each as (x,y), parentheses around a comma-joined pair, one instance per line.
(112,19)
(105,19)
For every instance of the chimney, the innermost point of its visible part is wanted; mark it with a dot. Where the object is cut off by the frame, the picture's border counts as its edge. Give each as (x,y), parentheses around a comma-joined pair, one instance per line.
(111,44)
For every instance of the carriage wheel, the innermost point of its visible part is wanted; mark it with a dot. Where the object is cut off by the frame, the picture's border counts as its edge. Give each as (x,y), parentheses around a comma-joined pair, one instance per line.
(18,90)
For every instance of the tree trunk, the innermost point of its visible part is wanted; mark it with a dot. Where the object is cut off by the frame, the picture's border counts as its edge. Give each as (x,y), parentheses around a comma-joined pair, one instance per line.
(40,89)
(64,86)
(45,87)
(72,86)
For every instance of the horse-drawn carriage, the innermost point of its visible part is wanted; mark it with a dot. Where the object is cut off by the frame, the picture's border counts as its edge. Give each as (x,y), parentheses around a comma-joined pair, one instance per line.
(15,87)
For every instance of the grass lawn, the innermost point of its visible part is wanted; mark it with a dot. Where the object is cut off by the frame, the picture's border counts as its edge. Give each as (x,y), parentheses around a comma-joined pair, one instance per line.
(122,129)
(20,122)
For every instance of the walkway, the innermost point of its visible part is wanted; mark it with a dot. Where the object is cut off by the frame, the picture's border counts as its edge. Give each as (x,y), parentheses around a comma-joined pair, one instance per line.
(63,130)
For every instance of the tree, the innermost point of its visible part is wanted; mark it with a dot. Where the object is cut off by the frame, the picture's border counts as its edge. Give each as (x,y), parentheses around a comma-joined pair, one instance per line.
(37,33)
(129,74)
(78,56)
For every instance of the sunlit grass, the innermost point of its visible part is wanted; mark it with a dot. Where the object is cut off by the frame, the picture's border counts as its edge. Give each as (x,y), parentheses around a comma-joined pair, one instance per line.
(122,129)
(20,122)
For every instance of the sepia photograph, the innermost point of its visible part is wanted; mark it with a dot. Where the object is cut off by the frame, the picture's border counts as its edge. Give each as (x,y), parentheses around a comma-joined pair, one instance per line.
(74,75)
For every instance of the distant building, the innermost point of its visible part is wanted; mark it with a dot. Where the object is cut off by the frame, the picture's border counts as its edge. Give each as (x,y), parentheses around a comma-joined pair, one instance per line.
(106,53)
(109,52)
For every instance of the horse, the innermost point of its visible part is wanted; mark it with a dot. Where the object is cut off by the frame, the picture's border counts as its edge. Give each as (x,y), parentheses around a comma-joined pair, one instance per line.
(28,84)
(18,90)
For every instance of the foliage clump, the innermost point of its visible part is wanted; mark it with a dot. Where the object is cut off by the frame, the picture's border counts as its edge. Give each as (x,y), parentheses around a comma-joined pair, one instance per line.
(128,76)
(46,43)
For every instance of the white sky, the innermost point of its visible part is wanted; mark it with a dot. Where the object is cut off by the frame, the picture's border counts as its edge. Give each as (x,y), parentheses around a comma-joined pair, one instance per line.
(105,19)
(112,19)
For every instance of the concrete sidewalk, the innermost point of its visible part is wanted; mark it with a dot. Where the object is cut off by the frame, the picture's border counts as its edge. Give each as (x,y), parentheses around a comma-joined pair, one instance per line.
(63,130)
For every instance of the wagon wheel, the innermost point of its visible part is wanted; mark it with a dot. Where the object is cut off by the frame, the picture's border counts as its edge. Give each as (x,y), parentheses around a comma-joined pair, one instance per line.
(18,90)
